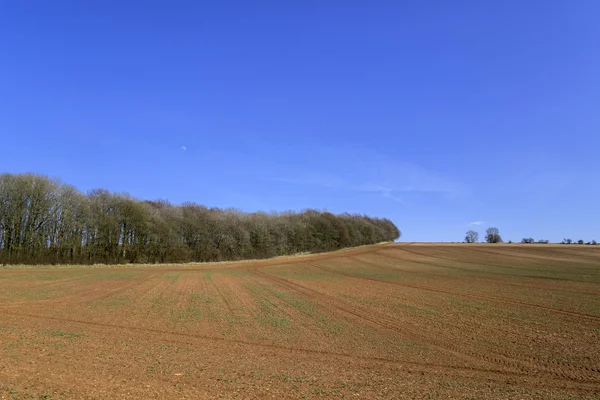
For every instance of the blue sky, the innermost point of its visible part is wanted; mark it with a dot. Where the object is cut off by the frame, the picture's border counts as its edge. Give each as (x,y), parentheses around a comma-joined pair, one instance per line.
(440,115)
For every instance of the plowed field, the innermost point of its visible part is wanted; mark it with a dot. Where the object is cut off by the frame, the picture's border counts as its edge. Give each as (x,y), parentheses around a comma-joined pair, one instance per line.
(426,321)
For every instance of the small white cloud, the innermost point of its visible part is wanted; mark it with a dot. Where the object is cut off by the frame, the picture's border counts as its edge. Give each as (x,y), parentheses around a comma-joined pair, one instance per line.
(476,223)
(388,195)
(183,148)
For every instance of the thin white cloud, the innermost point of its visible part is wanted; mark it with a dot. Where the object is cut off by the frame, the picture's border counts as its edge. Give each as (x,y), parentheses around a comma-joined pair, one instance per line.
(390,196)
(183,148)
(333,182)
(476,223)
(315,179)
(376,173)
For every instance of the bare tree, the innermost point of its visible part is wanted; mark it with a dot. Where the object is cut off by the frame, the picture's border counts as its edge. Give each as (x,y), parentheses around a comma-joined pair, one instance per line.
(567,241)
(527,240)
(493,235)
(472,237)
(45,221)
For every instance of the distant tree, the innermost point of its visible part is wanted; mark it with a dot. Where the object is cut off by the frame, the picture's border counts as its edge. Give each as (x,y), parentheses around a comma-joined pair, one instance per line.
(493,235)
(527,240)
(593,242)
(510,241)
(580,241)
(541,241)
(567,241)
(472,237)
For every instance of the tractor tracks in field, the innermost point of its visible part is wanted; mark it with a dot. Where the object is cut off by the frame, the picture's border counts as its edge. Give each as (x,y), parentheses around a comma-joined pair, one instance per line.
(379,321)
(497,365)
(479,264)
(382,321)
(459,294)
(120,331)
(541,264)
(223,298)
(474,271)
(538,257)
(547,363)
(126,287)
(76,299)
(509,358)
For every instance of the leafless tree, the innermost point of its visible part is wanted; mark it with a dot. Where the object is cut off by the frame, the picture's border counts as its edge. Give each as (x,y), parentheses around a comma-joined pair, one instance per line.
(472,237)
(493,235)
(45,221)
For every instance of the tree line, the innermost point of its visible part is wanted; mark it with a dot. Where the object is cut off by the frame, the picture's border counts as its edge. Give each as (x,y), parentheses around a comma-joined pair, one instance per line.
(580,241)
(493,236)
(44,221)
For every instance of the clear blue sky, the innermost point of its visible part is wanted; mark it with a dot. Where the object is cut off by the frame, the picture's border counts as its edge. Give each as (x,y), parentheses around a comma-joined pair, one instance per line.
(435,114)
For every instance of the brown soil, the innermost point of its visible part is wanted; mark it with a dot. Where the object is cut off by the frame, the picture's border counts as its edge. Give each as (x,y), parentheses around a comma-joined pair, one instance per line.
(427,321)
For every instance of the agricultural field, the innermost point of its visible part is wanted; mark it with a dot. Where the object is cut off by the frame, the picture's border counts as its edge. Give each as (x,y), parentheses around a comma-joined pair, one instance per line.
(424,321)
